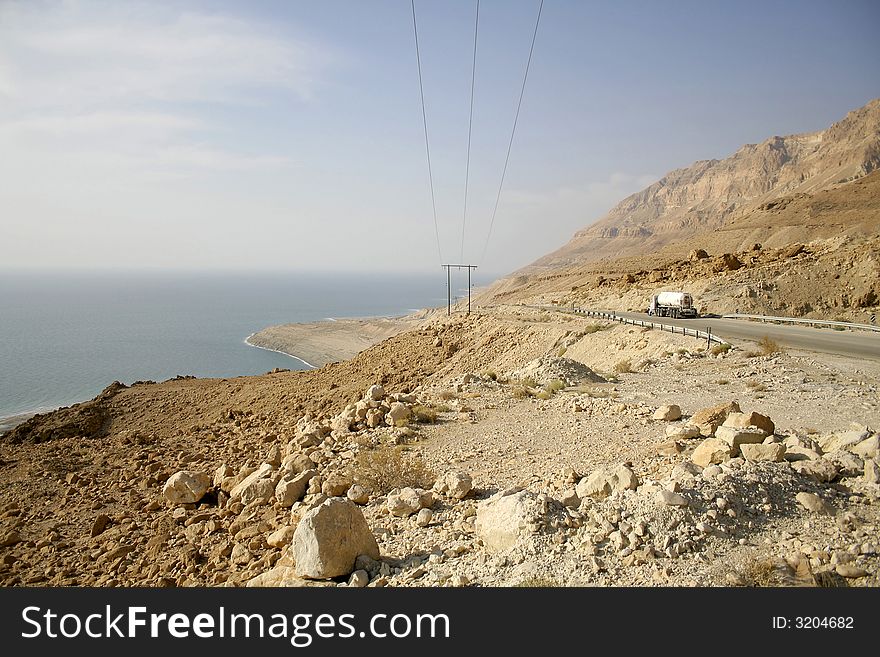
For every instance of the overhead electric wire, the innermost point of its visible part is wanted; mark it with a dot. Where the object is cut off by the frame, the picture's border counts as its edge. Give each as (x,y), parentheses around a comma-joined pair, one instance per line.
(425,122)
(467,169)
(512,132)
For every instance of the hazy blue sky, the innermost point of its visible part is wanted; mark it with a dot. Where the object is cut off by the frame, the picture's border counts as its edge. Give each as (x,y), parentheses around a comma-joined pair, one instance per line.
(288,134)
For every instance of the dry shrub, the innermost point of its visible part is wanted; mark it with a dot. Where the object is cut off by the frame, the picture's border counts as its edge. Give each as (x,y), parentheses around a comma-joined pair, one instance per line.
(756,386)
(537,583)
(623,366)
(446,395)
(594,328)
(554,386)
(769,346)
(385,468)
(720,349)
(520,392)
(424,414)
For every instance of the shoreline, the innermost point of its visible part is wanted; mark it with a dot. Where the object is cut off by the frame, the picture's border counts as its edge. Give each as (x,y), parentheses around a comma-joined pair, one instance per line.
(331,339)
(248,342)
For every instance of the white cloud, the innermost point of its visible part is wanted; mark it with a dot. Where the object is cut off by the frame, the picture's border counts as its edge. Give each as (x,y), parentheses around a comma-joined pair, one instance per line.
(84,55)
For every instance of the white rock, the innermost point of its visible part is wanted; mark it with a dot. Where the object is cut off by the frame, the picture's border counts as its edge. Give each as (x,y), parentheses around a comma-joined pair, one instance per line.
(329,539)
(669,498)
(735,437)
(455,484)
(603,482)
(263,472)
(424,517)
(404,502)
(682,431)
(375,393)
(503,520)
(869,448)
(186,487)
(358,494)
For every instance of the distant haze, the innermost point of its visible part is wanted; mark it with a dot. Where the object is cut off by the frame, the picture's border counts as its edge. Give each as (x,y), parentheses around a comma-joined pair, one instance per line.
(288,135)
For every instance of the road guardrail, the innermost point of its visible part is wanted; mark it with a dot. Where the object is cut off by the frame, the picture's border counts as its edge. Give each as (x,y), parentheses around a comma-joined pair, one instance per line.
(614,317)
(803,320)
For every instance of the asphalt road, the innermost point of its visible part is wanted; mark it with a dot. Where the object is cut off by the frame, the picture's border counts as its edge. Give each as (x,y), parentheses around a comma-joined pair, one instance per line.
(859,344)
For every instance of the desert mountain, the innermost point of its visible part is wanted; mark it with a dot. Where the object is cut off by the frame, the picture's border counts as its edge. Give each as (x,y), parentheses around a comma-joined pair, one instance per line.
(711,194)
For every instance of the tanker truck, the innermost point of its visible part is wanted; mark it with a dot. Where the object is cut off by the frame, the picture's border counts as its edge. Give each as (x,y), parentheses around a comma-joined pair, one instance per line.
(672,304)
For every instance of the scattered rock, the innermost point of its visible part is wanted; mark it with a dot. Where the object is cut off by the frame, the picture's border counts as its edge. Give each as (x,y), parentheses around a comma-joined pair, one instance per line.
(711,450)
(358,494)
(668,413)
(292,490)
(424,517)
(404,502)
(604,481)
(872,472)
(100,524)
(850,571)
(735,437)
(454,484)
(682,431)
(668,498)
(773,452)
(709,419)
(813,503)
(745,420)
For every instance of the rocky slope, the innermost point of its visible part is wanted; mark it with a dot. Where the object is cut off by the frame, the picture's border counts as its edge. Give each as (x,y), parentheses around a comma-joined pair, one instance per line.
(711,194)
(455,454)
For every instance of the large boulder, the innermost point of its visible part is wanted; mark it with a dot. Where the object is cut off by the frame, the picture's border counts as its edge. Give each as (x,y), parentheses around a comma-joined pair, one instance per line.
(603,482)
(711,450)
(745,420)
(186,487)
(709,419)
(503,520)
(329,539)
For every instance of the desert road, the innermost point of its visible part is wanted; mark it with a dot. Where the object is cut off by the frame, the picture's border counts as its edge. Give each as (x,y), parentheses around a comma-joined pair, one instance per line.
(859,344)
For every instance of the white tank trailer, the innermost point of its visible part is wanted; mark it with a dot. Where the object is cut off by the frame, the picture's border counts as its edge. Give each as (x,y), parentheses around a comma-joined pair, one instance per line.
(672,304)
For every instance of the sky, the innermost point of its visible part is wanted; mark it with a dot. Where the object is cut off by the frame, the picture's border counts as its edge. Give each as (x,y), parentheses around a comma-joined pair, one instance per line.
(288,135)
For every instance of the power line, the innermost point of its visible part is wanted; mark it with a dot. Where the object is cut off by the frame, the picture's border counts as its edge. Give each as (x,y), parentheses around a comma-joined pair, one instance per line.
(513,131)
(425,122)
(467,169)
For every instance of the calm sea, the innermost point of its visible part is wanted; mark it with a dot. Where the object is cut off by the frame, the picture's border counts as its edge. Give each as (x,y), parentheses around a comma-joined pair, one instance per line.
(66,336)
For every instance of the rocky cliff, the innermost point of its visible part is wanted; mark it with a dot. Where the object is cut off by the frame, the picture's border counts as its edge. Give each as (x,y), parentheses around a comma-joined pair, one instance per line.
(712,193)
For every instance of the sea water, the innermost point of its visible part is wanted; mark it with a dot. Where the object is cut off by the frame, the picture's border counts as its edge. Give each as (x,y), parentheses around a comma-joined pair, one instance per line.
(65,336)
